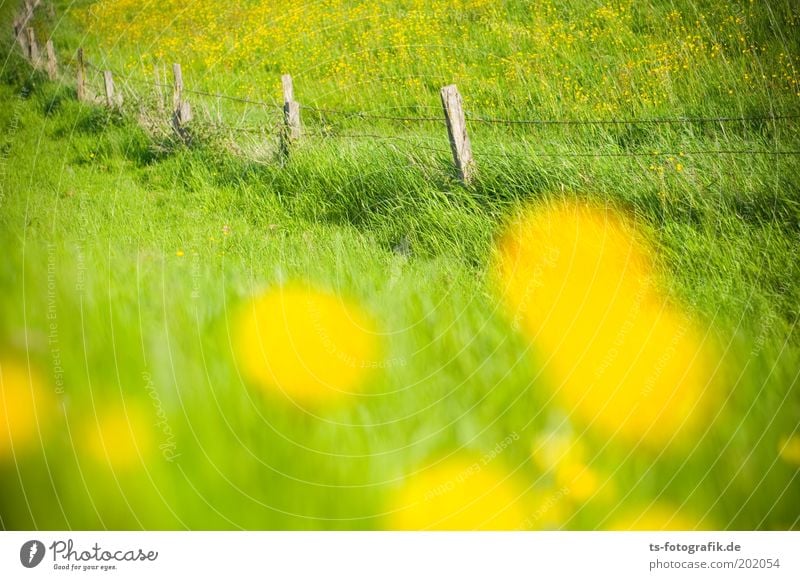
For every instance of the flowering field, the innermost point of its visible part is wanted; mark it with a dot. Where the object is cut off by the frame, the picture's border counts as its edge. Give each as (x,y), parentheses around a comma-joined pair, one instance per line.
(600,332)
(575,60)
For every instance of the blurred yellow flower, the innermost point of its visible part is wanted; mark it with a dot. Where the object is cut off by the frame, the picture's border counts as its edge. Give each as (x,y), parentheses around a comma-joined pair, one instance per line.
(656,517)
(582,481)
(119,436)
(459,494)
(312,346)
(623,359)
(789,449)
(26,408)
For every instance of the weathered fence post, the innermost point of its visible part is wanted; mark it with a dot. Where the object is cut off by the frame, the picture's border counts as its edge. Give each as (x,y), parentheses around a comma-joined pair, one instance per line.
(52,65)
(181,110)
(33,48)
(457,132)
(20,34)
(21,25)
(291,112)
(81,76)
(108,82)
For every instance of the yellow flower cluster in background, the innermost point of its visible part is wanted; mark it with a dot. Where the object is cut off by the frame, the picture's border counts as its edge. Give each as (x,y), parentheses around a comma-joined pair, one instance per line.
(501,56)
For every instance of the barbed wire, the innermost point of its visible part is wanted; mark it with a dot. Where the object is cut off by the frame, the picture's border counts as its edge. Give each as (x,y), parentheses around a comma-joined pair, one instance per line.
(644,121)
(366,115)
(224,96)
(379,137)
(677,154)
(351,114)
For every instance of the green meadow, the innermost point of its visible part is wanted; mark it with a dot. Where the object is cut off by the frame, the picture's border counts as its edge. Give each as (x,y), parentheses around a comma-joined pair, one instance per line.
(129,254)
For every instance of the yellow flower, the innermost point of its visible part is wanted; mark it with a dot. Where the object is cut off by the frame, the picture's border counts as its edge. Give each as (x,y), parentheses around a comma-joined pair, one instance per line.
(26,408)
(458,494)
(179,253)
(312,346)
(119,436)
(621,357)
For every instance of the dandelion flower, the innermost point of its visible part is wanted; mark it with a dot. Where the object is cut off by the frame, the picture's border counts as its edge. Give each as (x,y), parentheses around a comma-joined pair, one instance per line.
(622,358)
(25,408)
(312,346)
(119,436)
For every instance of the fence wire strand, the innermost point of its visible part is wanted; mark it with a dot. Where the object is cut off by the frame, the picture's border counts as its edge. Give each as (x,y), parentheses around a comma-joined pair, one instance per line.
(645,121)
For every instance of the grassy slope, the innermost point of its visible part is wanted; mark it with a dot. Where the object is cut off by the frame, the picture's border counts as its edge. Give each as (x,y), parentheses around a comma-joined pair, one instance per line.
(116,211)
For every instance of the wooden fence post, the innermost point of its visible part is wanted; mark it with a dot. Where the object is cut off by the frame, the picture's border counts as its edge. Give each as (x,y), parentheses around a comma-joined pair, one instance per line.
(81,76)
(291,111)
(457,132)
(52,65)
(108,82)
(20,35)
(33,48)
(181,111)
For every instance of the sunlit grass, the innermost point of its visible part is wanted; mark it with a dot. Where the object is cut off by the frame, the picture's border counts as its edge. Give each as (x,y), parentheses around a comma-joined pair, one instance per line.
(329,341)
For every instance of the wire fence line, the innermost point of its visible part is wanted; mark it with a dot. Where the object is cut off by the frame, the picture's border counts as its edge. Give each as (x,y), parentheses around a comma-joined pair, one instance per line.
(653,154)
(358,114)
(454,116)
(641,121)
